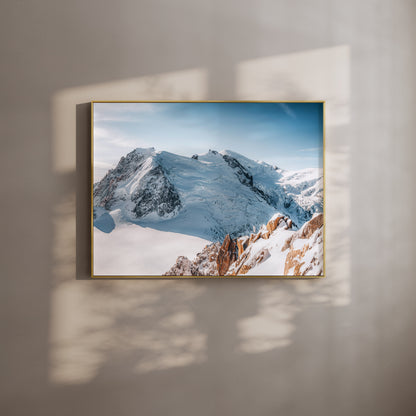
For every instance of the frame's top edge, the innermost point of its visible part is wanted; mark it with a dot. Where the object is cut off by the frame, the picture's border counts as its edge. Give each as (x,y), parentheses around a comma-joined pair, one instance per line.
(209,101)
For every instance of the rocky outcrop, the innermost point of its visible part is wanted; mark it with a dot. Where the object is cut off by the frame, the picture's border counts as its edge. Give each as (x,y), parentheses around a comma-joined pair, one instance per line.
(240,171)
(306,231)
(246,178)
(302,252)
(273,223)
(311,226)
(247,261)
(226,255)
(254,237)
(250,254)
(266,235)
(305,255)
(277,221)
(242,243)
(301,258)
(244,269)
(294,260)
(104,191)
(287,243)
(204,263)
(155,194)
(182,267)
(300,263)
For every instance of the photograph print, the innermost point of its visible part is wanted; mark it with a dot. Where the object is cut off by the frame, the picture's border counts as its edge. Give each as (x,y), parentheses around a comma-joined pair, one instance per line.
(207,189)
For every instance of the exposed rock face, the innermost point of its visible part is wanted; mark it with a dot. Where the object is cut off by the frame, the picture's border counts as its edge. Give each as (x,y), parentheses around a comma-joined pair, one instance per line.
(306,231)
(104,190)
(242,243)
(310,227)
(241,172)
(300,262)
(244,269)
(204,264)
(254,237)
(155,194)
(302,252)
(182,267)
(294,260)
(247,261)
(263,255)
(306,256)
(298,259)
(249,255)
(266,235)
(226,255)
(287,243)
(272,224)
(246,178)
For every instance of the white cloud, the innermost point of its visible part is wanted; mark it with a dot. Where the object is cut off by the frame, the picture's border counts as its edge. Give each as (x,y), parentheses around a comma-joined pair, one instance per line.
(101,133)
(288,110)
(311,149)
(103,165)
(112,138)
(125,112)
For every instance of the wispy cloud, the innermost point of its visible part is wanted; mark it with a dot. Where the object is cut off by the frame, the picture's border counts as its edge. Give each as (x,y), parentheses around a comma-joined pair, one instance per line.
(113,138)
(102,133)
(103,165)
(311,149)
(300,158)
(268,132)
(285,107)
(123,112)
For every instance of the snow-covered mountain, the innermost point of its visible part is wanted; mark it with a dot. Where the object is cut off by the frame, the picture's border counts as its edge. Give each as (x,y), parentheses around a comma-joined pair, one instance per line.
(207,196)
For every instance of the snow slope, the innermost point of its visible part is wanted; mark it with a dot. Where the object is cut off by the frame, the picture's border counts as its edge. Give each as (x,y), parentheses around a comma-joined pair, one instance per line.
(290,254)
(132,250)
(207,196)
(275,250)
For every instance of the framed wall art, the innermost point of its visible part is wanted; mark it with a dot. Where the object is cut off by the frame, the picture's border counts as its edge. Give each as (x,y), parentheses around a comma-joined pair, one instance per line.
(207,189)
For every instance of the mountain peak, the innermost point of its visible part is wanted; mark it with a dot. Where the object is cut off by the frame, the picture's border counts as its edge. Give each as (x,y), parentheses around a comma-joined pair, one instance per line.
(222,193)
(145,151)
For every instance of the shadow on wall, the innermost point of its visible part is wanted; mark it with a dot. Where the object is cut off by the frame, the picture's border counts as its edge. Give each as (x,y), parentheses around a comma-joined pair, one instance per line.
(129,329)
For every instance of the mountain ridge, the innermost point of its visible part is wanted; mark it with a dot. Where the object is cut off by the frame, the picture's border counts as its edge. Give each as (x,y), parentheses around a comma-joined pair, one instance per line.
(208,195)
(276,249)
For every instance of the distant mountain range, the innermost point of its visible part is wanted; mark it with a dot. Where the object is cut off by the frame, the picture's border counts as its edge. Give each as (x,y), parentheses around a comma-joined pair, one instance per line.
(209,196)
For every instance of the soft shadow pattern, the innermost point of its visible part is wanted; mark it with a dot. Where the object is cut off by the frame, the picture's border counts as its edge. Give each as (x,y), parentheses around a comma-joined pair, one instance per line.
(190,325)
(86,349)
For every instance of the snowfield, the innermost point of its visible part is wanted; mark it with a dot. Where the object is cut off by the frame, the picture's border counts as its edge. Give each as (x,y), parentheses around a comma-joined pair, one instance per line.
(131,250)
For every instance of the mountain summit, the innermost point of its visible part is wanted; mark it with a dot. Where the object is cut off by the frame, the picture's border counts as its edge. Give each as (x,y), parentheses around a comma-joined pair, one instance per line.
(208,196)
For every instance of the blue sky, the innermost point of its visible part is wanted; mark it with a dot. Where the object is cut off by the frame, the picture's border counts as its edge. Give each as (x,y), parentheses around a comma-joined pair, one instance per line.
(289,135)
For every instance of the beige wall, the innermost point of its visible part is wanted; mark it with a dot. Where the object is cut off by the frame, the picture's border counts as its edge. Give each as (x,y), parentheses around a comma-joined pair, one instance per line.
(341,346)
